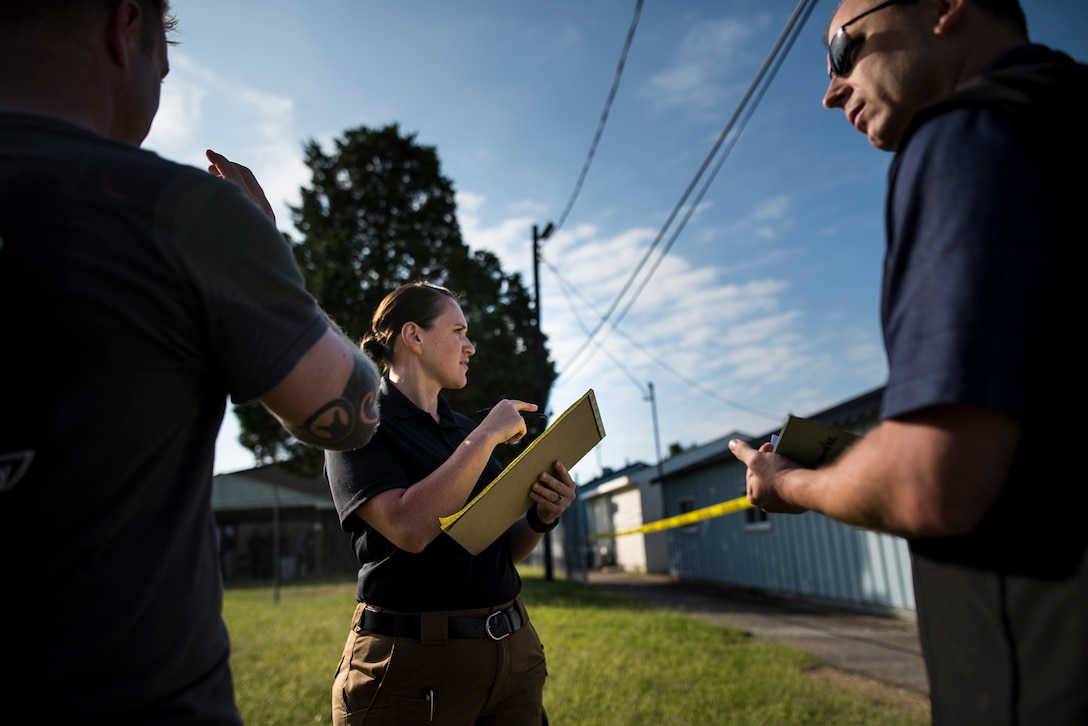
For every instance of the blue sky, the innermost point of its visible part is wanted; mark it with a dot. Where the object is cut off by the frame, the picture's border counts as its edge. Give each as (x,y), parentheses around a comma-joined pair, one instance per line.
(760,300)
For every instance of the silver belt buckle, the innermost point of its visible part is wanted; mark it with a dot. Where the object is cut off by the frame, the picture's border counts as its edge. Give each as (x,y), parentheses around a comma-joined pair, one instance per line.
(509,625)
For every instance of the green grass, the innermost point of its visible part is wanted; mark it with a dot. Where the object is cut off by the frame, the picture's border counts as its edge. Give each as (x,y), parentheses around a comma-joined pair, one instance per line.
(612,661)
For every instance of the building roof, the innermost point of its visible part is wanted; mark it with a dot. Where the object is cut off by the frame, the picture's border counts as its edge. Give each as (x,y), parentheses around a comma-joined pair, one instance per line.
(608,474)
(863,406)
(268,487)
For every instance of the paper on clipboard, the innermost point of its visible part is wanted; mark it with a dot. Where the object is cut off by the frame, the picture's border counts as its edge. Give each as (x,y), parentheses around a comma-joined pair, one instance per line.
(491,512)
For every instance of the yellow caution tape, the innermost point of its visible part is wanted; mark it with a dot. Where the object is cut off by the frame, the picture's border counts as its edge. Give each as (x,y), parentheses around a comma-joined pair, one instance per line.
(696,515)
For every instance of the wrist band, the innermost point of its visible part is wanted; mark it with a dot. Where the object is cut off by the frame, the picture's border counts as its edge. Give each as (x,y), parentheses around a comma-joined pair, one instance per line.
(536,525)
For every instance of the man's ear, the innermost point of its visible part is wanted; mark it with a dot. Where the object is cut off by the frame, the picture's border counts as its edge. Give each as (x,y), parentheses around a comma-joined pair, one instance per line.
(124,31)
(950,15)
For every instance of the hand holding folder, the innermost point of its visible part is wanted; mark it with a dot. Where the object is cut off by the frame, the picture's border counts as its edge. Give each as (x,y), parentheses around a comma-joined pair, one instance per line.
(491,512)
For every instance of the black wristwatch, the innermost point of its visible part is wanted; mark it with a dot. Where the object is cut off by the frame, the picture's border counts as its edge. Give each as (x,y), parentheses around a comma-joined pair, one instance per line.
(536,525)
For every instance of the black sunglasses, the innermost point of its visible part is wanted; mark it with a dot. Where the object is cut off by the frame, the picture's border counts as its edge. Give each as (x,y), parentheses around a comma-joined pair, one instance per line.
(840,51)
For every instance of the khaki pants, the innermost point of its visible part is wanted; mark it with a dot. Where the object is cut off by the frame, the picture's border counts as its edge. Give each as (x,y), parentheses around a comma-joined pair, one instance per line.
(383,679)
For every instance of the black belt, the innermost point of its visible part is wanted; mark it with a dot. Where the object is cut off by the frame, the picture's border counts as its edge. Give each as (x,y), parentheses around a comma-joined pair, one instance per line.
(496,626)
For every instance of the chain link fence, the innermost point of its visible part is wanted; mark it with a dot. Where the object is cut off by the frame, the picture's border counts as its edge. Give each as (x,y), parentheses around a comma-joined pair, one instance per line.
(261,546)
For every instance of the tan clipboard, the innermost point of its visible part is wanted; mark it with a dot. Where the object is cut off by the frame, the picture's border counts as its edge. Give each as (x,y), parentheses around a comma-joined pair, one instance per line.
(506,498)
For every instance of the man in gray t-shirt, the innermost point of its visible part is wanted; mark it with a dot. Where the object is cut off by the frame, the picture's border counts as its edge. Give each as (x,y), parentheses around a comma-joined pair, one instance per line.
(136,296)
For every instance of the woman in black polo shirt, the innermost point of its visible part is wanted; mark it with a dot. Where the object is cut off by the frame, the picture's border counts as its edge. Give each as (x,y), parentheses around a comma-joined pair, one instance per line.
(439,635)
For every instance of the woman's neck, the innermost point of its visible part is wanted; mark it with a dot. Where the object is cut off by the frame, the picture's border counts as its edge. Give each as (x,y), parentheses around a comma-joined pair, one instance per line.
(424,394)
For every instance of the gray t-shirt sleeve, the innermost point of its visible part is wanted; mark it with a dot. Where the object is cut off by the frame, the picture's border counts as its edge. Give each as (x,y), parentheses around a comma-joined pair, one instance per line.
(259,318)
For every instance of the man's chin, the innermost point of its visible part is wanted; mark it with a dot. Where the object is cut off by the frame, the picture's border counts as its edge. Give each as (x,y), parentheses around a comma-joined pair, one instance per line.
(882,143)
(883,138)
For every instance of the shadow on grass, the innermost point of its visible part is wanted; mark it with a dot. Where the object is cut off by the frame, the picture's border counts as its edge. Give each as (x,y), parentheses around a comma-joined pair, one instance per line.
(563,593)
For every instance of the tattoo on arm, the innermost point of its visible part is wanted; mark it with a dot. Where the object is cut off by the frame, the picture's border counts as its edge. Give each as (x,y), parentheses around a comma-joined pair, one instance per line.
(349,421)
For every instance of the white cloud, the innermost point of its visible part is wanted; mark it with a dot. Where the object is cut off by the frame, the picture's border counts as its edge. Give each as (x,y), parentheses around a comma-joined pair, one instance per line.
(685,315)
(775,208)
(202,109)
(710,339)
(700,74)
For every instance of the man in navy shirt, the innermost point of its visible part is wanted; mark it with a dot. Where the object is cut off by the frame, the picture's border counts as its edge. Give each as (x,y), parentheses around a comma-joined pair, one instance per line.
(982,213)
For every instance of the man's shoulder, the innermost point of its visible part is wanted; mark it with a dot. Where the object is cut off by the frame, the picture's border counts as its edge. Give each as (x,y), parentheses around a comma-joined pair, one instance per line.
(1027,83)
(54,147)
(55,165)
(1034,86)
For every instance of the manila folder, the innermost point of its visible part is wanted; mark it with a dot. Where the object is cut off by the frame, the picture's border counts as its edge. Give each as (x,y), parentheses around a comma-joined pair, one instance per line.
(811,444)
(506,498)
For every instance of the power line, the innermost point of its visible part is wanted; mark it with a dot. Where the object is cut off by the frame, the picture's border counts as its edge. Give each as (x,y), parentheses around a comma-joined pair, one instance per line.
(708,392)
(604,115)
(567,291)
(706,185)
(771,60)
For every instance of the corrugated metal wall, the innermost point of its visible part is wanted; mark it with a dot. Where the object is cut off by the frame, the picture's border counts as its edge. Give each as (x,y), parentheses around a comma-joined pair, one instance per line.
(805,555)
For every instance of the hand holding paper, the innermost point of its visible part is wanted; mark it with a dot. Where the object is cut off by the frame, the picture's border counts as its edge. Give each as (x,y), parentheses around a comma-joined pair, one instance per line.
(800,444)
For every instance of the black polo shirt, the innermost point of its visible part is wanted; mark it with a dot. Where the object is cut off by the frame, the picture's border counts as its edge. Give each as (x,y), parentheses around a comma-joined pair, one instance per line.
(407,447)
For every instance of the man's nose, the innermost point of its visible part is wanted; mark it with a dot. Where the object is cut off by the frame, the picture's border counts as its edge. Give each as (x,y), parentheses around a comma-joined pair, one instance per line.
(836,94)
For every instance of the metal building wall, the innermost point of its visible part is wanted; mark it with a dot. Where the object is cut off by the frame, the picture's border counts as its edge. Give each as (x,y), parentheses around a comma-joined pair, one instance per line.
(806,555)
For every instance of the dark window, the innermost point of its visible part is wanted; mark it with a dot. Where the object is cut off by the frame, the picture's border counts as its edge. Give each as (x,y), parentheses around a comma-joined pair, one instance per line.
(687,504)
(755,518)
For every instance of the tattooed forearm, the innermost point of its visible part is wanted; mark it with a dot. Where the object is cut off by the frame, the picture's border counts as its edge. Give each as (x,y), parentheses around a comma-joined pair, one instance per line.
(349,421)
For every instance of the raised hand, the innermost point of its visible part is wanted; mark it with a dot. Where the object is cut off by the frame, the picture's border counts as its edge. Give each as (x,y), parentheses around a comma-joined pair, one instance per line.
(241,176)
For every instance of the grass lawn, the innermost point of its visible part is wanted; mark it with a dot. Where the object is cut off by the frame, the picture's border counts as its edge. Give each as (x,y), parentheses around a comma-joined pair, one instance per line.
(612,661)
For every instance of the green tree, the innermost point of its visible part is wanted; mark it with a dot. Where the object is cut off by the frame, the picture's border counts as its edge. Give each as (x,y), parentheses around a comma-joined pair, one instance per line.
(379,213)
(676,448)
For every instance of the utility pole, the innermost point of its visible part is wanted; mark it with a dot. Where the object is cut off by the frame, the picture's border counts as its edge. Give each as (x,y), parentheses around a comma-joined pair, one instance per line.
(657,438)
(538,357)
